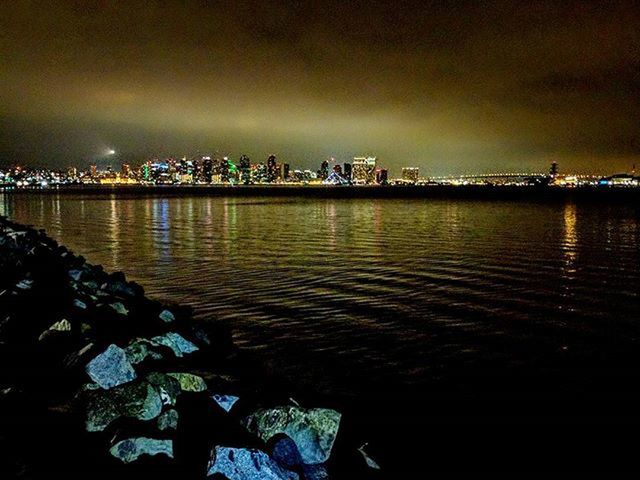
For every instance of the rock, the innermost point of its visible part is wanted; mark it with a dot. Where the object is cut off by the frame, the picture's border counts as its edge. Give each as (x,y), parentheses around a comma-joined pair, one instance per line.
(25,284)
(138,351)
(246,464)
(168,420)
(189,382)
(313,430)
(315,472)
(225,401)
(371,463)
(129,450)
(168,387)
(166,316)
(136,400)
(120,308)
(285,452)
(75,358)
(75,274)
(61,326)
(79,304)
(176,342)
(111,368)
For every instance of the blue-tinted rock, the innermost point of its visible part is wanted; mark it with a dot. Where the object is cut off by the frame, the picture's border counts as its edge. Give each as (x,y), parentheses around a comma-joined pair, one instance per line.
(25,284)
(286,453)
(176,342)
(371,463)
(315,472)
(246,464)
(111,368)
(313,430)
(226,402)
(79,304)
(129,450)
(75,274)
(138,351)
(168,420)
(166,316)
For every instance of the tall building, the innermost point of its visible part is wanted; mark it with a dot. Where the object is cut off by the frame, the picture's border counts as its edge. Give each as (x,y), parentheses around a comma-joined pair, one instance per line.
(207,169)
(410,174)
(382,176)
(363,170)
(224,170)
(125,170)
(283,171)
(346,171)
(337,168)
(245,169)
(553,170)
(94,171)
(323,173)
(272,173)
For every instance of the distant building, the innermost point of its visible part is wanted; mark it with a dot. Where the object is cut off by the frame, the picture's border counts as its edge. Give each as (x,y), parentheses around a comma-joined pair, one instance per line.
(245,170)
(553,170)
(410,174)
(94,171)
(382,176)
(207,169)
(323,173)
(272,172)
(363,171)
(224,170)
(346,171)
(283,169)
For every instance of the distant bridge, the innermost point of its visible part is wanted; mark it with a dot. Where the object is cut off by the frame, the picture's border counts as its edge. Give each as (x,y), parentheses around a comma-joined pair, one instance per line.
(489,176)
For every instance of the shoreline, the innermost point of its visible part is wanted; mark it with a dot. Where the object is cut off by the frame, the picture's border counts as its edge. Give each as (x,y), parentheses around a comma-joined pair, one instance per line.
(117,384)
(471,192)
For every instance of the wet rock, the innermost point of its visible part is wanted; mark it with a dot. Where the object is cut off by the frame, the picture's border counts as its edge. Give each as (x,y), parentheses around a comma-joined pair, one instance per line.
(25,285)
(131,449)
(246,464)
(136,400)
(226,402)
(75,358)
(315,472)
(189,382)
(168,420)
(79,304)
(111,368)
(168,387)
(75,274)
(313,430)
(166,316)
(176,342)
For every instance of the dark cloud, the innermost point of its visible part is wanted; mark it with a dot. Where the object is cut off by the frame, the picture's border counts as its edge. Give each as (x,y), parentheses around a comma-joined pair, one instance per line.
(449,86)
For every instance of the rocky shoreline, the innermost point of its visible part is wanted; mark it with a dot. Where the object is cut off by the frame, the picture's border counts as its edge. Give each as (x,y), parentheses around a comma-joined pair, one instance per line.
(98,380)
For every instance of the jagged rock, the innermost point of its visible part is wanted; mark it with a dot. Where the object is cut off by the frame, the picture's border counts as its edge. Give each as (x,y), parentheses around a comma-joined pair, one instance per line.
(111,368)
(75,274)
(136,400)
(285,452)
(176,342)
(138,351)
(120,308)
(315,472)
(189,382)
(313,430)
(130,449)
(226,402)
(166,316)
(60,326)
(246,464)
(75,358)
(168,420)
(371,463)
(168,387)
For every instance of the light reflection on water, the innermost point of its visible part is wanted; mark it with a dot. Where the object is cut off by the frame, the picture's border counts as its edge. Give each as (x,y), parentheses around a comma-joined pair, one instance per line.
(359,293)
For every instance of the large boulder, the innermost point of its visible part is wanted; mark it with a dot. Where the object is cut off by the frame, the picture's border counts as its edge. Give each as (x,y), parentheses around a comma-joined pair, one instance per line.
(130,449)
(313,430)
(189,382)
(139,400)
(176,342)
(168,387)
(111,368)
(246,464)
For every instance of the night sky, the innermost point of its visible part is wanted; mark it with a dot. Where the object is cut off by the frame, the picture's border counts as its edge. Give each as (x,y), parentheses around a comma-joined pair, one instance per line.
(451,87)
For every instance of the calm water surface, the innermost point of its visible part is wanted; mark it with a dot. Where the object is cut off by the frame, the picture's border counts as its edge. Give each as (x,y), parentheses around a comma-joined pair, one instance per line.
(359,296)
(376,288)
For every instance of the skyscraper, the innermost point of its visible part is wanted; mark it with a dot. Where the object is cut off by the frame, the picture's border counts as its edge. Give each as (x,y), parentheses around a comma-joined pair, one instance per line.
(363,170)
(245,170)
(346,171)
(323,173)
(271,169)
(381,176)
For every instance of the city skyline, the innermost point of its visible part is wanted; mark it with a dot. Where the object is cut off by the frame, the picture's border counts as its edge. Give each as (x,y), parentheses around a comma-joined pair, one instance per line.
(447,87)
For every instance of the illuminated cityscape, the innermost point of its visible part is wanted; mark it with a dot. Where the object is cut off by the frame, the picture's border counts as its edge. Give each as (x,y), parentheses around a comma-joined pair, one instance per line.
(362,171)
